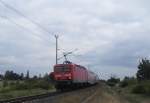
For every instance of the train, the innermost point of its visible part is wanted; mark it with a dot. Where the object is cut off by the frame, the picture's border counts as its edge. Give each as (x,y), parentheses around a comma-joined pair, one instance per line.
(70,76)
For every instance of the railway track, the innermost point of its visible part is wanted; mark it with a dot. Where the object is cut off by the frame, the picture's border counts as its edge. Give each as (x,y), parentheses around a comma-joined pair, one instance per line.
(30,98)
(27,99)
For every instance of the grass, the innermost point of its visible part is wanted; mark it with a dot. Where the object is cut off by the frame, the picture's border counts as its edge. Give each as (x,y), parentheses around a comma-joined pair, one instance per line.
(127,94)
(1,83)
(16,93)
(24,88)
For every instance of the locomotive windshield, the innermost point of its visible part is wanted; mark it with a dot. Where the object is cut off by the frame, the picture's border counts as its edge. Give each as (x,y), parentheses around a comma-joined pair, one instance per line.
(61,69)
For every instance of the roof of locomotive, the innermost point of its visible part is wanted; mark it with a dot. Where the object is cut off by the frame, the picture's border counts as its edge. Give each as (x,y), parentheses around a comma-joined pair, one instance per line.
(75,65)
(70,64)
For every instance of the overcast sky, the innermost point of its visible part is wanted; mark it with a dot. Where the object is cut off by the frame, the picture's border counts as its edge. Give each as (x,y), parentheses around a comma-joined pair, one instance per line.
(111,35)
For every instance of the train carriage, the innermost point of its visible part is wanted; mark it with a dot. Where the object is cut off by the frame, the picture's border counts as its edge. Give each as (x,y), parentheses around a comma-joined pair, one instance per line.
(69,76)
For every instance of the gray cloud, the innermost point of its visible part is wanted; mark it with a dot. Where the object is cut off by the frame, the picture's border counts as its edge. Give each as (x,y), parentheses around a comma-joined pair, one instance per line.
(111,35)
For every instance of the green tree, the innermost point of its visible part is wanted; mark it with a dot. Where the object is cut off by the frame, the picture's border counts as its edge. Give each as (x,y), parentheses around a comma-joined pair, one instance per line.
(113,81)
(143,72)
(1,76)
(27,75)
(10,75)
(35,77)
(22,76)
(46,77)
(5,83)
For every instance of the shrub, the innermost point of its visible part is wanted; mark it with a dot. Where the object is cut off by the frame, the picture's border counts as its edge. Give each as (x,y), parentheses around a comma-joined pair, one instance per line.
(111,84)
(113,81)
(21,86)
(5,90)
(142,88)
(123,84)
(139,89)
(5,83)
(42,84)
(12,83)
(147,87)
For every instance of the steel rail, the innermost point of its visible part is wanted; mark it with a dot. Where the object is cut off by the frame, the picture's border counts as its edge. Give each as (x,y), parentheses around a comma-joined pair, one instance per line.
(30,98)
(39,96)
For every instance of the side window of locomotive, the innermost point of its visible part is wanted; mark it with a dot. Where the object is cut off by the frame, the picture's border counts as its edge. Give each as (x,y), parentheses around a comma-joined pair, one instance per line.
(66,69)
(61,69)
(58,69)
(76,69)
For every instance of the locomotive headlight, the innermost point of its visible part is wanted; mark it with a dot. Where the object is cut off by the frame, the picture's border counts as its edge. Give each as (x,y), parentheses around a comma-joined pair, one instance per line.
(69,77)
(57,76)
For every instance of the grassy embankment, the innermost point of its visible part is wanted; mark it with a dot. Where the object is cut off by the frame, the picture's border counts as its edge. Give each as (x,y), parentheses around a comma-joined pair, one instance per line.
(12,89)
(134,91)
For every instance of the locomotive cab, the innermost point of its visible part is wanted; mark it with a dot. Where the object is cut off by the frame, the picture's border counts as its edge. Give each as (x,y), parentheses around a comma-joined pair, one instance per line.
(62,76)
(62,72)
(71,76)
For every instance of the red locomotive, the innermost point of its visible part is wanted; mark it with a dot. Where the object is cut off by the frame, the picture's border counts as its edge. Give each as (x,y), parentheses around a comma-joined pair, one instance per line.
(69,75)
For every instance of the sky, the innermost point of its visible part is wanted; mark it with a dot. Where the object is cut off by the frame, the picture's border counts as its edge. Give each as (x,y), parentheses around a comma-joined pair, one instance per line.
(111,35)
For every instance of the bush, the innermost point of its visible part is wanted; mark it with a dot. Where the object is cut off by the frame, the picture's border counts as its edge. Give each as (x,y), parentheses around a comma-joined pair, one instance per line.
(111,84)
(42,84)
(21,86)
(142,88)
(147,87)
(12,83)
(139,89)
(113,81)
(5,83)
(123,84)
(28,84)
(5,90)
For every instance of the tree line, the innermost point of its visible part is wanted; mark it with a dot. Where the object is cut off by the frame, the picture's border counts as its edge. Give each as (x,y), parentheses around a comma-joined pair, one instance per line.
(11,75)
(140,84)
(143,72)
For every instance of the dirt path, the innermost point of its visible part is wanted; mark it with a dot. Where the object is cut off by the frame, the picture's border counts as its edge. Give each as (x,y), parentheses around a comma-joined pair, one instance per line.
(104,94)
(96,94)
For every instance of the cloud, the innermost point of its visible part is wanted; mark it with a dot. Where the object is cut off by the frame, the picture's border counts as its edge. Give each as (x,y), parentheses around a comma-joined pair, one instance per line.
(111,35)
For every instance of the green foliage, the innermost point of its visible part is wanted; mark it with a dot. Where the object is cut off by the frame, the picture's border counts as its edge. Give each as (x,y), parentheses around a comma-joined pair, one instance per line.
(7,93)
(128,81)
(26,85)
(21,86)
(5,90)
(143,72)
(111,84)
(14,85)
(142,88)
(42,84)
(123,84)
(1,77)
(113,81)
(46,77)
(15,82)
(11,83)
(28,75)
(10,75)
(5,83)
(139,89)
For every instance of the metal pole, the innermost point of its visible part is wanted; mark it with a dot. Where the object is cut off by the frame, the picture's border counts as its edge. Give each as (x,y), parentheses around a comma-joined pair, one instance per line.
(56,36)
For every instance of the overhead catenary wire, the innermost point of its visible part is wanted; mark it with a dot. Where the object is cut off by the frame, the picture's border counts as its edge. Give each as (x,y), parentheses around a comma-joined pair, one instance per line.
(23,15)
(26,17)
(65,54)
(22,27)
